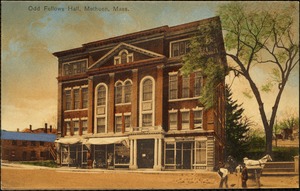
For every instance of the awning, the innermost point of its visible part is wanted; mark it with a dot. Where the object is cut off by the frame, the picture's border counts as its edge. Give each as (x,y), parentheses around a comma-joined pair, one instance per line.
(69,141)
(107,141)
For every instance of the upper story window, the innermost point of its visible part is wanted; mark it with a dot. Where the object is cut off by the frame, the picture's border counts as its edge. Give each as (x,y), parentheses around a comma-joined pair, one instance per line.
(68,99)
(123,57)
(84,92)
(76,98)
(173,118)
(147,90)
(101,109)
(198,118)
(185,119)
(173,85)
(198,84)
(84,126)
(178,48)
(73,68)
(185,87)
(147,103)
(123,92)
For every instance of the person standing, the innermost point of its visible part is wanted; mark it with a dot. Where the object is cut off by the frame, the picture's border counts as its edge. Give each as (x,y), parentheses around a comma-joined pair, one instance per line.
(223,172)
(244,175)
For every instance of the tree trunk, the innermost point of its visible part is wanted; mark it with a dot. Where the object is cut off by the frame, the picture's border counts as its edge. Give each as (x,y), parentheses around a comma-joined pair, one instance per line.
(269,133)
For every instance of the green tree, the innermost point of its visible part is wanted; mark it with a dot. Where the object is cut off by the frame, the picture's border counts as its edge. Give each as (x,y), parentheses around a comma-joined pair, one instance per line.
(237,127)
(262,37)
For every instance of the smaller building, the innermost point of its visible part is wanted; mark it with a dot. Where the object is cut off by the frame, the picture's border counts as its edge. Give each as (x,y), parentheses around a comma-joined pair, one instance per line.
(18,146)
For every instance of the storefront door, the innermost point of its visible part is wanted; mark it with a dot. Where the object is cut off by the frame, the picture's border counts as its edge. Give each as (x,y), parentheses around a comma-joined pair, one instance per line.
(145,152)
(184,155)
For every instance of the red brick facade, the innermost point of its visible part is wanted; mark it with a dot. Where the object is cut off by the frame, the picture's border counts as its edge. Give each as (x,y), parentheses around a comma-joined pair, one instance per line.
(123,103)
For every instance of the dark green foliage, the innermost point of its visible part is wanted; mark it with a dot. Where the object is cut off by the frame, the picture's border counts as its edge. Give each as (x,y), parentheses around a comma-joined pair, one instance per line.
(205,55)
(237,143)
(279,154)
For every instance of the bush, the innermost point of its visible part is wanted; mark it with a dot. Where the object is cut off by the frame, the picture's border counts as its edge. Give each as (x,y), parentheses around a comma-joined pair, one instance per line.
(279,153)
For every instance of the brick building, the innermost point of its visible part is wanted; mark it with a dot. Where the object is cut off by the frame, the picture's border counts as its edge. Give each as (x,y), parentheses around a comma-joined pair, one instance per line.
(123,103)
(19,146)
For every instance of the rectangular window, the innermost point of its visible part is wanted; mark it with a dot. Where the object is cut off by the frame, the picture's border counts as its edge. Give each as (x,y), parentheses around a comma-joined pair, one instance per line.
(198,84)
(118,96)
(76,99)
(24,143)
(198,119)
(173,88)
(122,154)
(84,92)
(185,86)
(14,142)
(68,128)
(68,100)
(200,152)
(84,127)
(173,120)
(33,143)
(147,120)
(170,153)
(180,48)
(76,127)
(118,124)
(101,125)
(185,120)
(127,123)
(41,143)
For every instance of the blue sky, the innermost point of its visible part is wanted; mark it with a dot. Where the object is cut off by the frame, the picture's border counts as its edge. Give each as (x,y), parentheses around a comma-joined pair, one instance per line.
(29,70)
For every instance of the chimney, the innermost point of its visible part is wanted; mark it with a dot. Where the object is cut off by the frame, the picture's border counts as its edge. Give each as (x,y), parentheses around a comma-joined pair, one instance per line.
(18,130)
(50,128)
(46,130)
(30,128)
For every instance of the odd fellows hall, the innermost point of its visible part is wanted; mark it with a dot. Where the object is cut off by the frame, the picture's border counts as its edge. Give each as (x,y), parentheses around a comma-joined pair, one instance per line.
(123,103)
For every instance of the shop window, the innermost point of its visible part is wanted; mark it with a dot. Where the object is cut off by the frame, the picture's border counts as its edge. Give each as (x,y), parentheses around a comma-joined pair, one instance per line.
(32,155)
(170,153)
(200,152)
(122,155)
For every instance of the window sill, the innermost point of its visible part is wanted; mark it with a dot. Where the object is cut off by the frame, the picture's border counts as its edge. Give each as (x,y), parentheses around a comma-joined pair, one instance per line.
(183,99)
(76,110)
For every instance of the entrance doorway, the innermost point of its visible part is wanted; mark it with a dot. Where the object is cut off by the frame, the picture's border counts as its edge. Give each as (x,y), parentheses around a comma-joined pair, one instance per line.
(145,153)
(184,155)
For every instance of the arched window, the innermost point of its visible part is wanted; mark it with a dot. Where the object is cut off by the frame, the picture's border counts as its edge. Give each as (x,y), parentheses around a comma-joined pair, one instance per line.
(147,104)
(101,109)
(147,90)
(127,91)
(123,58)
(118,93)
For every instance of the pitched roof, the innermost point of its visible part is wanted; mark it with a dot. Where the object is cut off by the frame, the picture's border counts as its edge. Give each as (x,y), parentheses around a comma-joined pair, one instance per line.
(8,135)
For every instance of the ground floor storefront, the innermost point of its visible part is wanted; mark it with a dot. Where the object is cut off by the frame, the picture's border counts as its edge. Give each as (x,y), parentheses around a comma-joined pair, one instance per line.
(155,152)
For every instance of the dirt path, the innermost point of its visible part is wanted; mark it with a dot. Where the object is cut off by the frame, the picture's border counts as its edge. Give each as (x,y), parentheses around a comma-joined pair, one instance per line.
(26,178)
